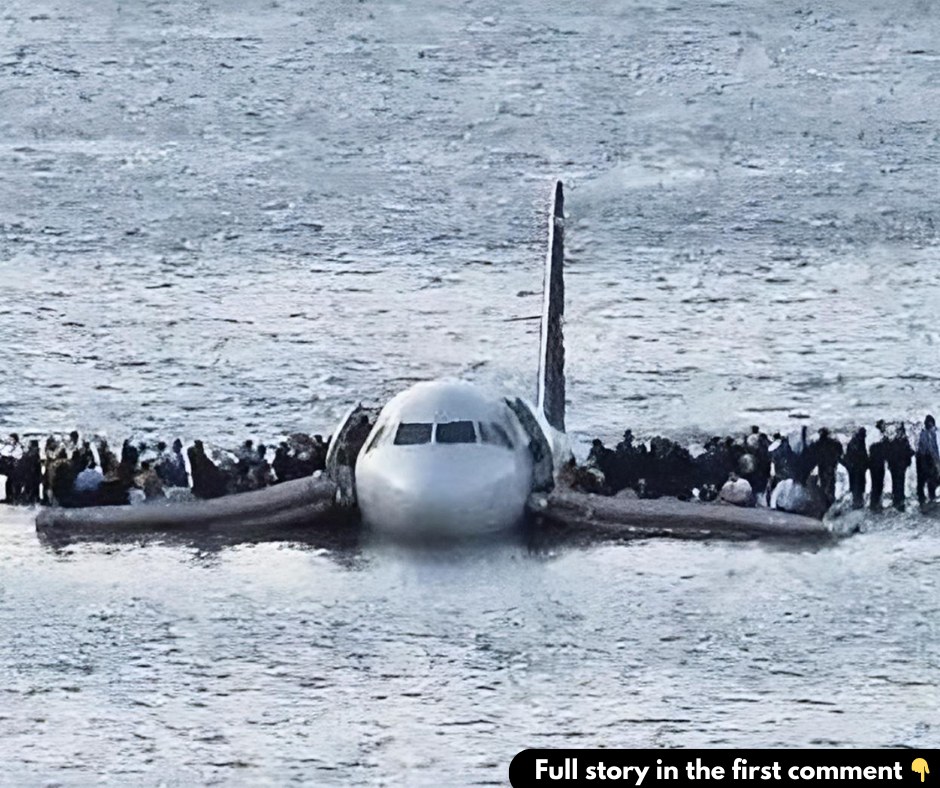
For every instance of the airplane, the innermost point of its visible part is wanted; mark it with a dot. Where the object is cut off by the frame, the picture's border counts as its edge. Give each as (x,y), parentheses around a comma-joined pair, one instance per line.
(447,458)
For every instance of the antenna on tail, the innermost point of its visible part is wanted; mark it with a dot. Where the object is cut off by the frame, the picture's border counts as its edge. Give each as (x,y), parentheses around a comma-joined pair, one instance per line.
(551,390)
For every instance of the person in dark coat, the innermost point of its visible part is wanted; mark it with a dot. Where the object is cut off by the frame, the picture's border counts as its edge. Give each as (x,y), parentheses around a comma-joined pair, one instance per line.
(246,459)
(927,461)
(827,451)
(31,473)
(626,465)
(78,462)
(261,470)
(877,458)
(855,461)
(170,466)
(305,456)
(320,449)
(246,456)
(782,457)
(175,466)
(670,470)
(712,467)
(804,458)
(604,460)
(72,445)
(61,477)
(106,459)
(899,460)
(282,463)
(128,466)
(28,473)
(150,482)
(208,480)
(85,454)
(758,446)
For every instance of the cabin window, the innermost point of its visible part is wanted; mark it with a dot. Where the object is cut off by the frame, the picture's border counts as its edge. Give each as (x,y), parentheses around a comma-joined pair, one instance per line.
(456,432)
(494,434)
(413,433)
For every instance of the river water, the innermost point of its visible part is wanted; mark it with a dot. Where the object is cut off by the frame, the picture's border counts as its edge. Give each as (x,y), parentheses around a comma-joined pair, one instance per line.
(270,663)
(224,220)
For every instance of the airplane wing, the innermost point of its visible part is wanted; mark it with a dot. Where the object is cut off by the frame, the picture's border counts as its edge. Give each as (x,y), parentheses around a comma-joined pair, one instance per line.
(302,504)
(565,513)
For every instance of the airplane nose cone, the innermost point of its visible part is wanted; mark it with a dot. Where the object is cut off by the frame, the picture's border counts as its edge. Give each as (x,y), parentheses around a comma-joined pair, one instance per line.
(439,496)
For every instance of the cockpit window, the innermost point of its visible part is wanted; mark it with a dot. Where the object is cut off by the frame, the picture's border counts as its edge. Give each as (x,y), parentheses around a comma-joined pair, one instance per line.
(375,439)
(413,433)
(494,434)
(456,432)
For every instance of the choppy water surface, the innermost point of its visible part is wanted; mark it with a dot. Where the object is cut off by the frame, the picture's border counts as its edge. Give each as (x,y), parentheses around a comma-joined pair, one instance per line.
(225,219)
(220,218)
(263,664)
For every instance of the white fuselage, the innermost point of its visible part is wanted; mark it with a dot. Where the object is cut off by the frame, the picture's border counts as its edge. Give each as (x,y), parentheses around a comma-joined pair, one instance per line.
(445,458)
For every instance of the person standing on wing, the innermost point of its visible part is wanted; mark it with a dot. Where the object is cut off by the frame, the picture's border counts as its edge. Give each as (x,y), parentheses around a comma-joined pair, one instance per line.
(855,461)
(827,451)
(877,459)
(899,456)
(927,461)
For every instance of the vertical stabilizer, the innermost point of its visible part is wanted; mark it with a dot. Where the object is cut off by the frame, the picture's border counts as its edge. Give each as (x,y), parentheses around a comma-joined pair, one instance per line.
(551,392)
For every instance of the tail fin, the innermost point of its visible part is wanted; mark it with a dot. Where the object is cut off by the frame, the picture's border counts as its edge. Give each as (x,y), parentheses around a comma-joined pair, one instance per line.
(551,392)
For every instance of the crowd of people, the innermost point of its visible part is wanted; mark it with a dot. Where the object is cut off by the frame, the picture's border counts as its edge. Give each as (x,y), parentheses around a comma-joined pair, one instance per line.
(71,471)
(795,472)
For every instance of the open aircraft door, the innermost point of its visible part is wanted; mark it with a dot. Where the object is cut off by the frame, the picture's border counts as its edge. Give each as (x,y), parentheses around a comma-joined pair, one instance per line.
(347,441)
(543,477)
